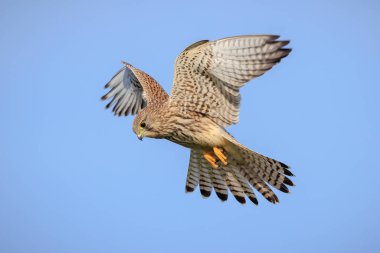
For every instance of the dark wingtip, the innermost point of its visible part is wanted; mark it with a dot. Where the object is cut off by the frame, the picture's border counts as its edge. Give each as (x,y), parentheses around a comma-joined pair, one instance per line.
(276,199)
(240,199)
(288,182)
(222,196)
(273,199)
(274,37)
(189,189)
(104,97)
(108,105)
(205,193)
(285,42)
(286,51)
(288,173)
(254,200)
(281,43)
(283,188)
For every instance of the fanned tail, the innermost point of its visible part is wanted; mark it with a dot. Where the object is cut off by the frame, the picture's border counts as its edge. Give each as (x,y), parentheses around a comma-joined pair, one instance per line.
(246,170)
(260,171)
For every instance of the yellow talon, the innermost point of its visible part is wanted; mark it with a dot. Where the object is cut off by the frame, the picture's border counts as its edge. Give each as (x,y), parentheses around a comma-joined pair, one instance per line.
(211,159)
(219,153)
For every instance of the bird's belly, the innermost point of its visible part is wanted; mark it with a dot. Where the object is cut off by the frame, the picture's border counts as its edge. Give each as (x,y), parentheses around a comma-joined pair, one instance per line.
(201,134)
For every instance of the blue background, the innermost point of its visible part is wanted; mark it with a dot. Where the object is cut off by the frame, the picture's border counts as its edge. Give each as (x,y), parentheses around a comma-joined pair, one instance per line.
(74,178)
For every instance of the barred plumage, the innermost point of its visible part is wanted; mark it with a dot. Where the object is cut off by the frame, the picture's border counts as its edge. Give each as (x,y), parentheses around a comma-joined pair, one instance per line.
(204,99)
(205,183)
(131,90)
(193,173)
(219,184)
(238,176)
(216,70)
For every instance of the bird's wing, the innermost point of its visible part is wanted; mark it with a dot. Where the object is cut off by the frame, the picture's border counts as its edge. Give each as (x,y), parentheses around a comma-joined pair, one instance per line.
(209,74)
(131,90)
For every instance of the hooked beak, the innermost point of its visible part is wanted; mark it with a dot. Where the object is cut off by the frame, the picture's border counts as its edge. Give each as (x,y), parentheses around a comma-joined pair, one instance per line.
(140,137)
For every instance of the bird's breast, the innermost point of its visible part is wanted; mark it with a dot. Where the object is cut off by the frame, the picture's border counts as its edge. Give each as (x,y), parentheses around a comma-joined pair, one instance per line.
(196,133)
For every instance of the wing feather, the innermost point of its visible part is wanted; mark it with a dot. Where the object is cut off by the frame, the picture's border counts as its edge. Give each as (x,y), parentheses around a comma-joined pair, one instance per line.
(209,74)
(131,90)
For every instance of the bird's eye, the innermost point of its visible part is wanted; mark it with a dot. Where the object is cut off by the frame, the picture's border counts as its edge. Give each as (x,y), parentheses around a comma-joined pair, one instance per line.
(143,124)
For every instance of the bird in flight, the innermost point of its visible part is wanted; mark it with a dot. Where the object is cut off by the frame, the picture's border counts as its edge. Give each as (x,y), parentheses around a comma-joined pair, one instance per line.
(204,100)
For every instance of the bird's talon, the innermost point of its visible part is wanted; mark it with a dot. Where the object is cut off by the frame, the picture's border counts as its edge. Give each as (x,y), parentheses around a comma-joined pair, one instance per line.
(211,159)
(219,153)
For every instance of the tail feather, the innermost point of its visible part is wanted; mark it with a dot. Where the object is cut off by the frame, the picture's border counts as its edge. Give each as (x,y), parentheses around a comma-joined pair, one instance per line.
(245,184)
(219,184)
(274,178)
(246,170)
(267,169)
(259,184)
(205,183)
(264,189)
(234,186)
(193,174)
(260,170)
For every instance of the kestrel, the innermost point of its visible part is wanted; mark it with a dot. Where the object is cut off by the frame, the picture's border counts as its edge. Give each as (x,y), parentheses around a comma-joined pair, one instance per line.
(204,100)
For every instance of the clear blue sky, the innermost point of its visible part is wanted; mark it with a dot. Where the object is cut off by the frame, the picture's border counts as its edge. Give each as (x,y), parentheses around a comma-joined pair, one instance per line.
(74,178)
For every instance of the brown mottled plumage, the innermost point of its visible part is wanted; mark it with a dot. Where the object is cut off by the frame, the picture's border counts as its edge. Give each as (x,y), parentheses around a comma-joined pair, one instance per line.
(205,99)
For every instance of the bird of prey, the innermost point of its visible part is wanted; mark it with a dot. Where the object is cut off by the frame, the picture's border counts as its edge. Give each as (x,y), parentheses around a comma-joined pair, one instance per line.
(204,100)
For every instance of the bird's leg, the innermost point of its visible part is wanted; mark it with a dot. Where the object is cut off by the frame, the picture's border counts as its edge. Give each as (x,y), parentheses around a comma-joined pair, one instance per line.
(219,153)
(211,159)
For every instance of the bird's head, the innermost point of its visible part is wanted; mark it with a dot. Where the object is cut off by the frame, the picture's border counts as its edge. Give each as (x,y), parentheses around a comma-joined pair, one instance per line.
(145,124)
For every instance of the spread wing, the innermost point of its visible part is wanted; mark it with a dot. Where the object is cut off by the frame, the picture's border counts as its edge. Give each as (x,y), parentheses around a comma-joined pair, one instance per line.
(208,75)
(131,90)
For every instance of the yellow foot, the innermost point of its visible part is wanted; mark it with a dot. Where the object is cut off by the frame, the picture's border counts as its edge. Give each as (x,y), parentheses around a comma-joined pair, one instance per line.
(219,153)
(211,159)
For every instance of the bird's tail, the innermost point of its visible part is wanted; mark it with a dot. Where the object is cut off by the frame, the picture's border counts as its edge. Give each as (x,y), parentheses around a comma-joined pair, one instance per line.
(246,170)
